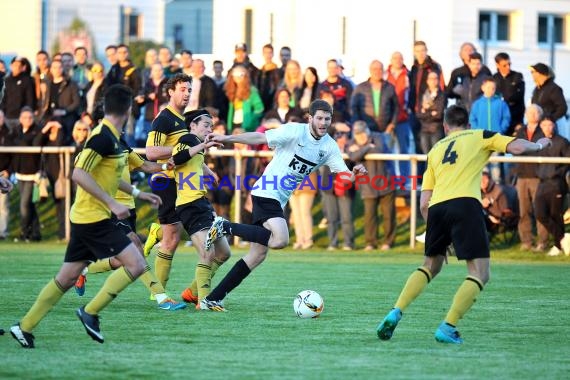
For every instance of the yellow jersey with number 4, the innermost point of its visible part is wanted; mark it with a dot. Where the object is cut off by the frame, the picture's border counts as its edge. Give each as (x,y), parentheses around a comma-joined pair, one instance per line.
(456,162)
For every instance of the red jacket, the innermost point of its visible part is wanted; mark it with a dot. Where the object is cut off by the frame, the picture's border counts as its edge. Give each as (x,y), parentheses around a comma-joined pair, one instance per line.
(402,85)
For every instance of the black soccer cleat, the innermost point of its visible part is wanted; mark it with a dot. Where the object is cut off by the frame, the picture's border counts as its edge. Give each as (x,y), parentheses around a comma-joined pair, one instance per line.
(91,324)
(25,339)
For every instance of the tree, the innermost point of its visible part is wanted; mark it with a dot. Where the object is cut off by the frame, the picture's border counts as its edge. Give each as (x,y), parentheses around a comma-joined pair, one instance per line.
(137,50)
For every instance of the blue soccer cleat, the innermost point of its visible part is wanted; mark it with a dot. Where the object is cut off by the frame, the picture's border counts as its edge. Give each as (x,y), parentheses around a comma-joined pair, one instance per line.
(386,328)
(446,333)
(172,305)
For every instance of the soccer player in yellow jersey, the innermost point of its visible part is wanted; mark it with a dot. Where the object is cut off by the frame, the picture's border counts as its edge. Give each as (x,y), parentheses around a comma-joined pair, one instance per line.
(97,171)
(450,204)
(133,161)
(192,206)
(167,128)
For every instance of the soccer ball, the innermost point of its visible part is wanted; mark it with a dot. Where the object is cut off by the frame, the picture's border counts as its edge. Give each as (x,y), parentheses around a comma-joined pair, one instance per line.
(308,304)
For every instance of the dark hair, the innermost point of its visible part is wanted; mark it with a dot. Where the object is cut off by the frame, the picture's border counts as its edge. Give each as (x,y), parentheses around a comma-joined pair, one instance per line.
(217,61)
(111,47)
(456,117)
(315,89)
(475,56)
(186,51)
(195,116)
(80,48)
(27,109)
(177,78)
(502,56)
(285,48)
(123,45)
(43,52)
(118,99)
(420,43)
(319,105)
(279,91)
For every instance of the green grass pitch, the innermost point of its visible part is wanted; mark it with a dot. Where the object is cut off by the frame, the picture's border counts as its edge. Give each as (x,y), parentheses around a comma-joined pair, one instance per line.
(518,328)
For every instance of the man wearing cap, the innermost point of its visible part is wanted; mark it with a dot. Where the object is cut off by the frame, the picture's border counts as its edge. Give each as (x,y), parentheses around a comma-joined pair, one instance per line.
(549,96)
(20,93)
(242,58)
(378,190)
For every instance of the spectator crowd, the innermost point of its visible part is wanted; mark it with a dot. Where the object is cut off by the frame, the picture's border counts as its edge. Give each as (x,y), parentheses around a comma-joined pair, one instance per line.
(398,109)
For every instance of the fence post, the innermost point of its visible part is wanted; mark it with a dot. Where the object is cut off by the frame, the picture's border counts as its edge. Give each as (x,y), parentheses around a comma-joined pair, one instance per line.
(237,194)
(413,202)
(67,162)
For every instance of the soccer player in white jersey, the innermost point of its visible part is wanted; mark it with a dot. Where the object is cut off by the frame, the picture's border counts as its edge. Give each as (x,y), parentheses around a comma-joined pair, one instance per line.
(300,149)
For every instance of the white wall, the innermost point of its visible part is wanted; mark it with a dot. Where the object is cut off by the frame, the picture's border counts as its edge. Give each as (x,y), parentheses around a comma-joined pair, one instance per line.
(20,28)
(375,29)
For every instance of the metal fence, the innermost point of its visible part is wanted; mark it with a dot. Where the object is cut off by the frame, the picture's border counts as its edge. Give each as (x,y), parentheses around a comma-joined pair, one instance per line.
(239,155)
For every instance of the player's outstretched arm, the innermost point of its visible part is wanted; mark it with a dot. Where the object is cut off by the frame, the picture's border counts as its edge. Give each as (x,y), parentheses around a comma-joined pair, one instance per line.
(251,138)
(520,146)
(158,152)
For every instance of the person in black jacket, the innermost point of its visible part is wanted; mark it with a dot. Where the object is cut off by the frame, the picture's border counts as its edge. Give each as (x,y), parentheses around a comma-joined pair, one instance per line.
(511,86)
(20,92)
(26,166)
(549,95)
(527,184)
(552,189)
(62,101)
(6,139)
(459,74)
(433,104)
(52,136)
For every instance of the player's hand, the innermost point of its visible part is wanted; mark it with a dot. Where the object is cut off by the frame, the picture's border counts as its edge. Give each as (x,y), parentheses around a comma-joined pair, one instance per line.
(121,211)
(216,137)
(170,165)
(211,143)
(545,142)
(212,174)
(5,185)
(359,169)
(153,199)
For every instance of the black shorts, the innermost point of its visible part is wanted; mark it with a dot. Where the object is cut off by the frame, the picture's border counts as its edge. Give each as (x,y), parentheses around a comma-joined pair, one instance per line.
(459,221)
(264,209)
(93,241)
(126,225)
(196,216)
(165,188)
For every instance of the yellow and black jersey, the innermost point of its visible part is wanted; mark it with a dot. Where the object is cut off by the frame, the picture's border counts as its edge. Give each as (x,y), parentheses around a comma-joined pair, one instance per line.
(455,163)
(103,158)
(167,128)
(189,171)
(133,161)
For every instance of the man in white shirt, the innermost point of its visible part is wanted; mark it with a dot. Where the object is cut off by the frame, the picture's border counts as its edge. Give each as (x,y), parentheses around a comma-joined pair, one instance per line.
(299,150)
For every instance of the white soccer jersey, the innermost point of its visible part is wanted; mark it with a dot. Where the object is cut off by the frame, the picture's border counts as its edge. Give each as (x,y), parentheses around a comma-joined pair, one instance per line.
(297,154)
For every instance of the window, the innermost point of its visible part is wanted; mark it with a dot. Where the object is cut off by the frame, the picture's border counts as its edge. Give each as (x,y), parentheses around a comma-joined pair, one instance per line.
(178,37)
(131,26)
(552,23)
(494,26)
